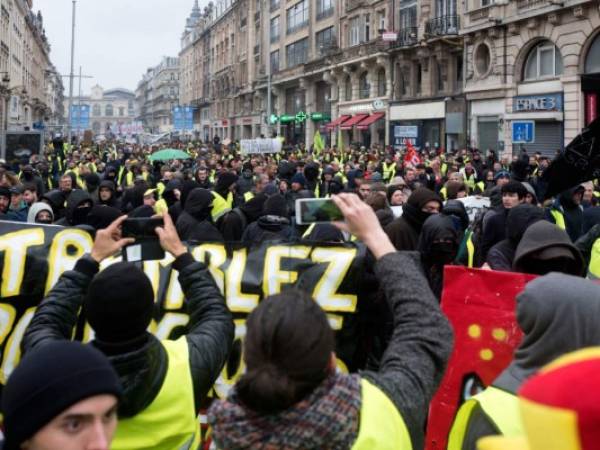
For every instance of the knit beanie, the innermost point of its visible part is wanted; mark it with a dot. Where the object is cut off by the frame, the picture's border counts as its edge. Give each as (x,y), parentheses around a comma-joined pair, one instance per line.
(299,178)
(49,380)
(119,303)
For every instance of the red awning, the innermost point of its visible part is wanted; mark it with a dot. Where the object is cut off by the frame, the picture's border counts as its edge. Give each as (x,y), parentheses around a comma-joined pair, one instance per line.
(364,125)
(336,122)
(350,123)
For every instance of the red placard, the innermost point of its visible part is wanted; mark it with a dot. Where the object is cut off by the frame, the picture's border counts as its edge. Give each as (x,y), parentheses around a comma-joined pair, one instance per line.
(591,107)
(480,304)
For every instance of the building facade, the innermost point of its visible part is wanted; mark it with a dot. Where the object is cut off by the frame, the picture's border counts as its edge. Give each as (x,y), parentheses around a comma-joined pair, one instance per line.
(492,74)
(111,111)
(532,72)
(30,88)
(157,94)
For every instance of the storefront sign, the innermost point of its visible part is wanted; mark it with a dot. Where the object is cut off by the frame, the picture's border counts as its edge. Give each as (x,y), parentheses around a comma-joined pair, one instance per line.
(409,131)
(286,118)
(300,117)
(547,102)
(389,36)
(378,104)
(246,120)
(591,107)
(363,108)
(320,116)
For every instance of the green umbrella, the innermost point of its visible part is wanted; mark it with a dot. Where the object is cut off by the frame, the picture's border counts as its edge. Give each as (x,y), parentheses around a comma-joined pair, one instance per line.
(169,154)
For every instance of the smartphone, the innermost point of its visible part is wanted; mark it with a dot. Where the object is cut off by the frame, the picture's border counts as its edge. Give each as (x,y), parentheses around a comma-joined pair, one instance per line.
(317,210)
(141,227)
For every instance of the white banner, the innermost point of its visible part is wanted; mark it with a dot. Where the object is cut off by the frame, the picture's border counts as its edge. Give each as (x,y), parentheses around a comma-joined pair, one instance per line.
(474,204)
(249,146)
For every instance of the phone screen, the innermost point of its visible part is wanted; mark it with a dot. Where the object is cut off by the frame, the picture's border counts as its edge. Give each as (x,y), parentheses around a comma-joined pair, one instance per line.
(317,210)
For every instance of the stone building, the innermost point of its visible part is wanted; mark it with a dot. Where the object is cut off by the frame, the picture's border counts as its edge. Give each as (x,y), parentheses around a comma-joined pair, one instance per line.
(111,111)
(532,72)
(26,73)
(157,94)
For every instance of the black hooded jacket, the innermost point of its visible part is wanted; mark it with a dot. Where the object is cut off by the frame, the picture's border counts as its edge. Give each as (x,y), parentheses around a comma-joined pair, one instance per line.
(502,254)
(75,215)
(113,200)
(572,212)
(195,223)
(438,245)
(404,231)
(142,364)
(273,224)
(236,221)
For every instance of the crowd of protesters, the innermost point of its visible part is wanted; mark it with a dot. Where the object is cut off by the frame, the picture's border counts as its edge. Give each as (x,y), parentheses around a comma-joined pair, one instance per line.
(404,205)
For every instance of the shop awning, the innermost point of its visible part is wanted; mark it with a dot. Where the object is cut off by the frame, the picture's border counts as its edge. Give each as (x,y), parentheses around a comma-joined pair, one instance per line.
(364,125)
(336,122)
(353,121)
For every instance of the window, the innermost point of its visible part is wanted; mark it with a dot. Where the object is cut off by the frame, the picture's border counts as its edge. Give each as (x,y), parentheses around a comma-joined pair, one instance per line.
(445,8)
(297,16)
(482,59)
(364,90)
(543,61)
(274,29)
(419,78)
(324,9)
(108,110)
(324,40)
(96,110)
(408,14)
(592,60)
(121,111)
(354,38)
(297,53)
(348,89)
(367,28)
(381,25)
(273,5)
(405,80)
(381,83)
(486,3)
(439,76)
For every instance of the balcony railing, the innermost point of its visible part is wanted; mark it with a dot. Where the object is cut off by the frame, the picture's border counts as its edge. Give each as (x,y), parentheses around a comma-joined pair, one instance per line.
(325,13)
(407,36)
(442,26)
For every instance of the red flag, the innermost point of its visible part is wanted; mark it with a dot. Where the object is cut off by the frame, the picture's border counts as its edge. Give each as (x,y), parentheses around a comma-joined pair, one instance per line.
(411,157)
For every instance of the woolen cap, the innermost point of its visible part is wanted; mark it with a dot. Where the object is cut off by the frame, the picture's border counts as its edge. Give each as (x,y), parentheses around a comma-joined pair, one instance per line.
(49,380)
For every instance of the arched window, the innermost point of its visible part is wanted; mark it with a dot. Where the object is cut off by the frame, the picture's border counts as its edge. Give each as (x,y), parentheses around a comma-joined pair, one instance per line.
(108,110)
(348,89)
(96,125)
(544,61)
(381,83)
(364,90)
(592,61)
(96,110)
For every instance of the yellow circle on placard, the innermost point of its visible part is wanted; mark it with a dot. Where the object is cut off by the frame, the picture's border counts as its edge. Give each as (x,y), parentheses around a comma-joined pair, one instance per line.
(486,354)
(499,334)
(474,331)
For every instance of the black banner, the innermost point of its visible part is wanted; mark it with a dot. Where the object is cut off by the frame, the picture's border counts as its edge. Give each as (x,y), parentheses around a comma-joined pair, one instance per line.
(32,258)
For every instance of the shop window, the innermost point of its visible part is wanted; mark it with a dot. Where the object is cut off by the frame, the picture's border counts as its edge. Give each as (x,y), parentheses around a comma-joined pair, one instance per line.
(543,61)
(482,59)
(348,89)
(381,83)
(592,61)
(364,90)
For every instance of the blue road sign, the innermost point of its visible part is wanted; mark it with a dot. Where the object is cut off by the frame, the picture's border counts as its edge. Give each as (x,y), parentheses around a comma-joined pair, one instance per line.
(523,132)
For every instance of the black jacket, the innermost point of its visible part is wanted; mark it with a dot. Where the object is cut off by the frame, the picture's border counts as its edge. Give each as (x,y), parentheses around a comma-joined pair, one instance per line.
(142,365)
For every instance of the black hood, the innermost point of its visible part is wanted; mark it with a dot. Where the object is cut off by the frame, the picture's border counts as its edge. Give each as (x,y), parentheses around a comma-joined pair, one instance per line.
(558,314)
(544,235)
(276,206)
(75,199)
(437,228)
(566,198)
(253,208)
(56,200)
(412,210)
(101,216)
(199,204)
(520,218)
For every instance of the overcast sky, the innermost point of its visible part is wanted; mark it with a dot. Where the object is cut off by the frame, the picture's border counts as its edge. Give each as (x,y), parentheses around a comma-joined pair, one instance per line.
(115,40)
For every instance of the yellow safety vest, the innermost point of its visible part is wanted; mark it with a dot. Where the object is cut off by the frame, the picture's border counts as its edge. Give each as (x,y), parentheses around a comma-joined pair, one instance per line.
(160,187)
(170,421)
(389,171)
(129,178)
(470,182)
(381,425)
(220,205)
(161,206)
(444,169)
(317,190)
(594,268)
(559,219)
(120,175)
(501,407)
(248,196)
(470,251)
(444,193)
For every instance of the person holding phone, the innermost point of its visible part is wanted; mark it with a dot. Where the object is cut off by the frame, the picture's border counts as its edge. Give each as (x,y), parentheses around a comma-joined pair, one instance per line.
(292,396)
(164,381)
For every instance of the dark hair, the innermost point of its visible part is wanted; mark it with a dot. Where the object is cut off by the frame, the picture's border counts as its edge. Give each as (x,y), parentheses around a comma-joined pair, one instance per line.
(287,350)
(30,187)
(514,187)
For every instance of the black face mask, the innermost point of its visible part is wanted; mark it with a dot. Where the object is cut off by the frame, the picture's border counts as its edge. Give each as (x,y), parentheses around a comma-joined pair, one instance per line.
(44,221)
(443,252)
(80,215)
(28,175)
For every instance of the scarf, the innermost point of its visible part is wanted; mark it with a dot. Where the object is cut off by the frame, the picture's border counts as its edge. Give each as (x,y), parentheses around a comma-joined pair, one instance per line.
(326,419)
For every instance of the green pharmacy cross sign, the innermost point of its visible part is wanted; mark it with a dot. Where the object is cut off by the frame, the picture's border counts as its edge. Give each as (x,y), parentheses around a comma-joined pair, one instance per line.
(301,117)
(273,119)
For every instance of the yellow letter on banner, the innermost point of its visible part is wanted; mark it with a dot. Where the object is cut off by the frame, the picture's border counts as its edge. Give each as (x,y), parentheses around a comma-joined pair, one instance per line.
(217,258)
(224,383)
(15,247)
(325,293)
(62,257)
(237,301)
(273,276)
(12,350)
